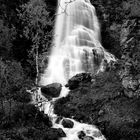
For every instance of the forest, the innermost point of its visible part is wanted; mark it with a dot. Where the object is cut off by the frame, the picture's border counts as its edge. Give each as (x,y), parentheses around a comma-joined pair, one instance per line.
(112,102)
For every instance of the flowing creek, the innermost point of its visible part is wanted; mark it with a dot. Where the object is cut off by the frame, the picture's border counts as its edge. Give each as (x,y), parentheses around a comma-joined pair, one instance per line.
(77,49)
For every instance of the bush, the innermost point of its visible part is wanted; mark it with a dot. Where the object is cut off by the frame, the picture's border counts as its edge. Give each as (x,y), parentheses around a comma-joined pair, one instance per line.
(29,115)
(13,81)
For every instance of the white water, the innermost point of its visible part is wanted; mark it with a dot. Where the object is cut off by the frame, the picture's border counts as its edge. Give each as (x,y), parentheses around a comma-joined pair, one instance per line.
(77,36)
(77,49)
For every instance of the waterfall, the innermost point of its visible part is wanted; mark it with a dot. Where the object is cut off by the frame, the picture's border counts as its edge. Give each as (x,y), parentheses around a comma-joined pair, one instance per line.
(77,46)
(76,49)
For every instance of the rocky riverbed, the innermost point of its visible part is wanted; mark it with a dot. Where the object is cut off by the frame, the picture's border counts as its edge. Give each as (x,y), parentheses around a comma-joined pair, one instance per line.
(102,101)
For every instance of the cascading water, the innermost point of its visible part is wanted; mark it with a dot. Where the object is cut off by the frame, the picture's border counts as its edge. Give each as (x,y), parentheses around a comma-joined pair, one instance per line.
(76,49)
(77,45)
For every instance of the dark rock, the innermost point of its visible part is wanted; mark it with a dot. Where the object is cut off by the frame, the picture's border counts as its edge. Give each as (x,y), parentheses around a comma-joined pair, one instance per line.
(61,132)
(81,134)
(130,84)
(54,134)
(88,138)
(51,90)
(75,81)
(67,123)
(58,119)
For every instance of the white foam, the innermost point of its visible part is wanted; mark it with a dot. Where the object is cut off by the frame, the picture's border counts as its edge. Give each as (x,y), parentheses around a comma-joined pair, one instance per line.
(77,33)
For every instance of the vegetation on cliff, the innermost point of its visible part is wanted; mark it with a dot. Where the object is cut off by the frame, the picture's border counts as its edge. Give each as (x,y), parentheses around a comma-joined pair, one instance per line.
(110,100)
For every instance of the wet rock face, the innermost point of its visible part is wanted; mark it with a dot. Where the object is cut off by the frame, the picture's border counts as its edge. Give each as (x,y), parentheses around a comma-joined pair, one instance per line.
(67,123)
(75,81)
(51,90)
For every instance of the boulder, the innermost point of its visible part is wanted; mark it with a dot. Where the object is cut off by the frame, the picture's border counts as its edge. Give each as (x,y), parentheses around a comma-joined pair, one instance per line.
(75,81)
(51,90)
(67,123)
(81,134)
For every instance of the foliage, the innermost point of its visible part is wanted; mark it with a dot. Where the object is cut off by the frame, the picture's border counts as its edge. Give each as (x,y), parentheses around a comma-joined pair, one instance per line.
(13,81)
(7,35)
(29,114)
(109,11)
(26,122)
(8,11)
(11,77)
(37,23)
(28,34)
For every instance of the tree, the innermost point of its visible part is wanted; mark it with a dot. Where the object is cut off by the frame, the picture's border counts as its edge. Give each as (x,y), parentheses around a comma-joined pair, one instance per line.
(37,28)
(7,35)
